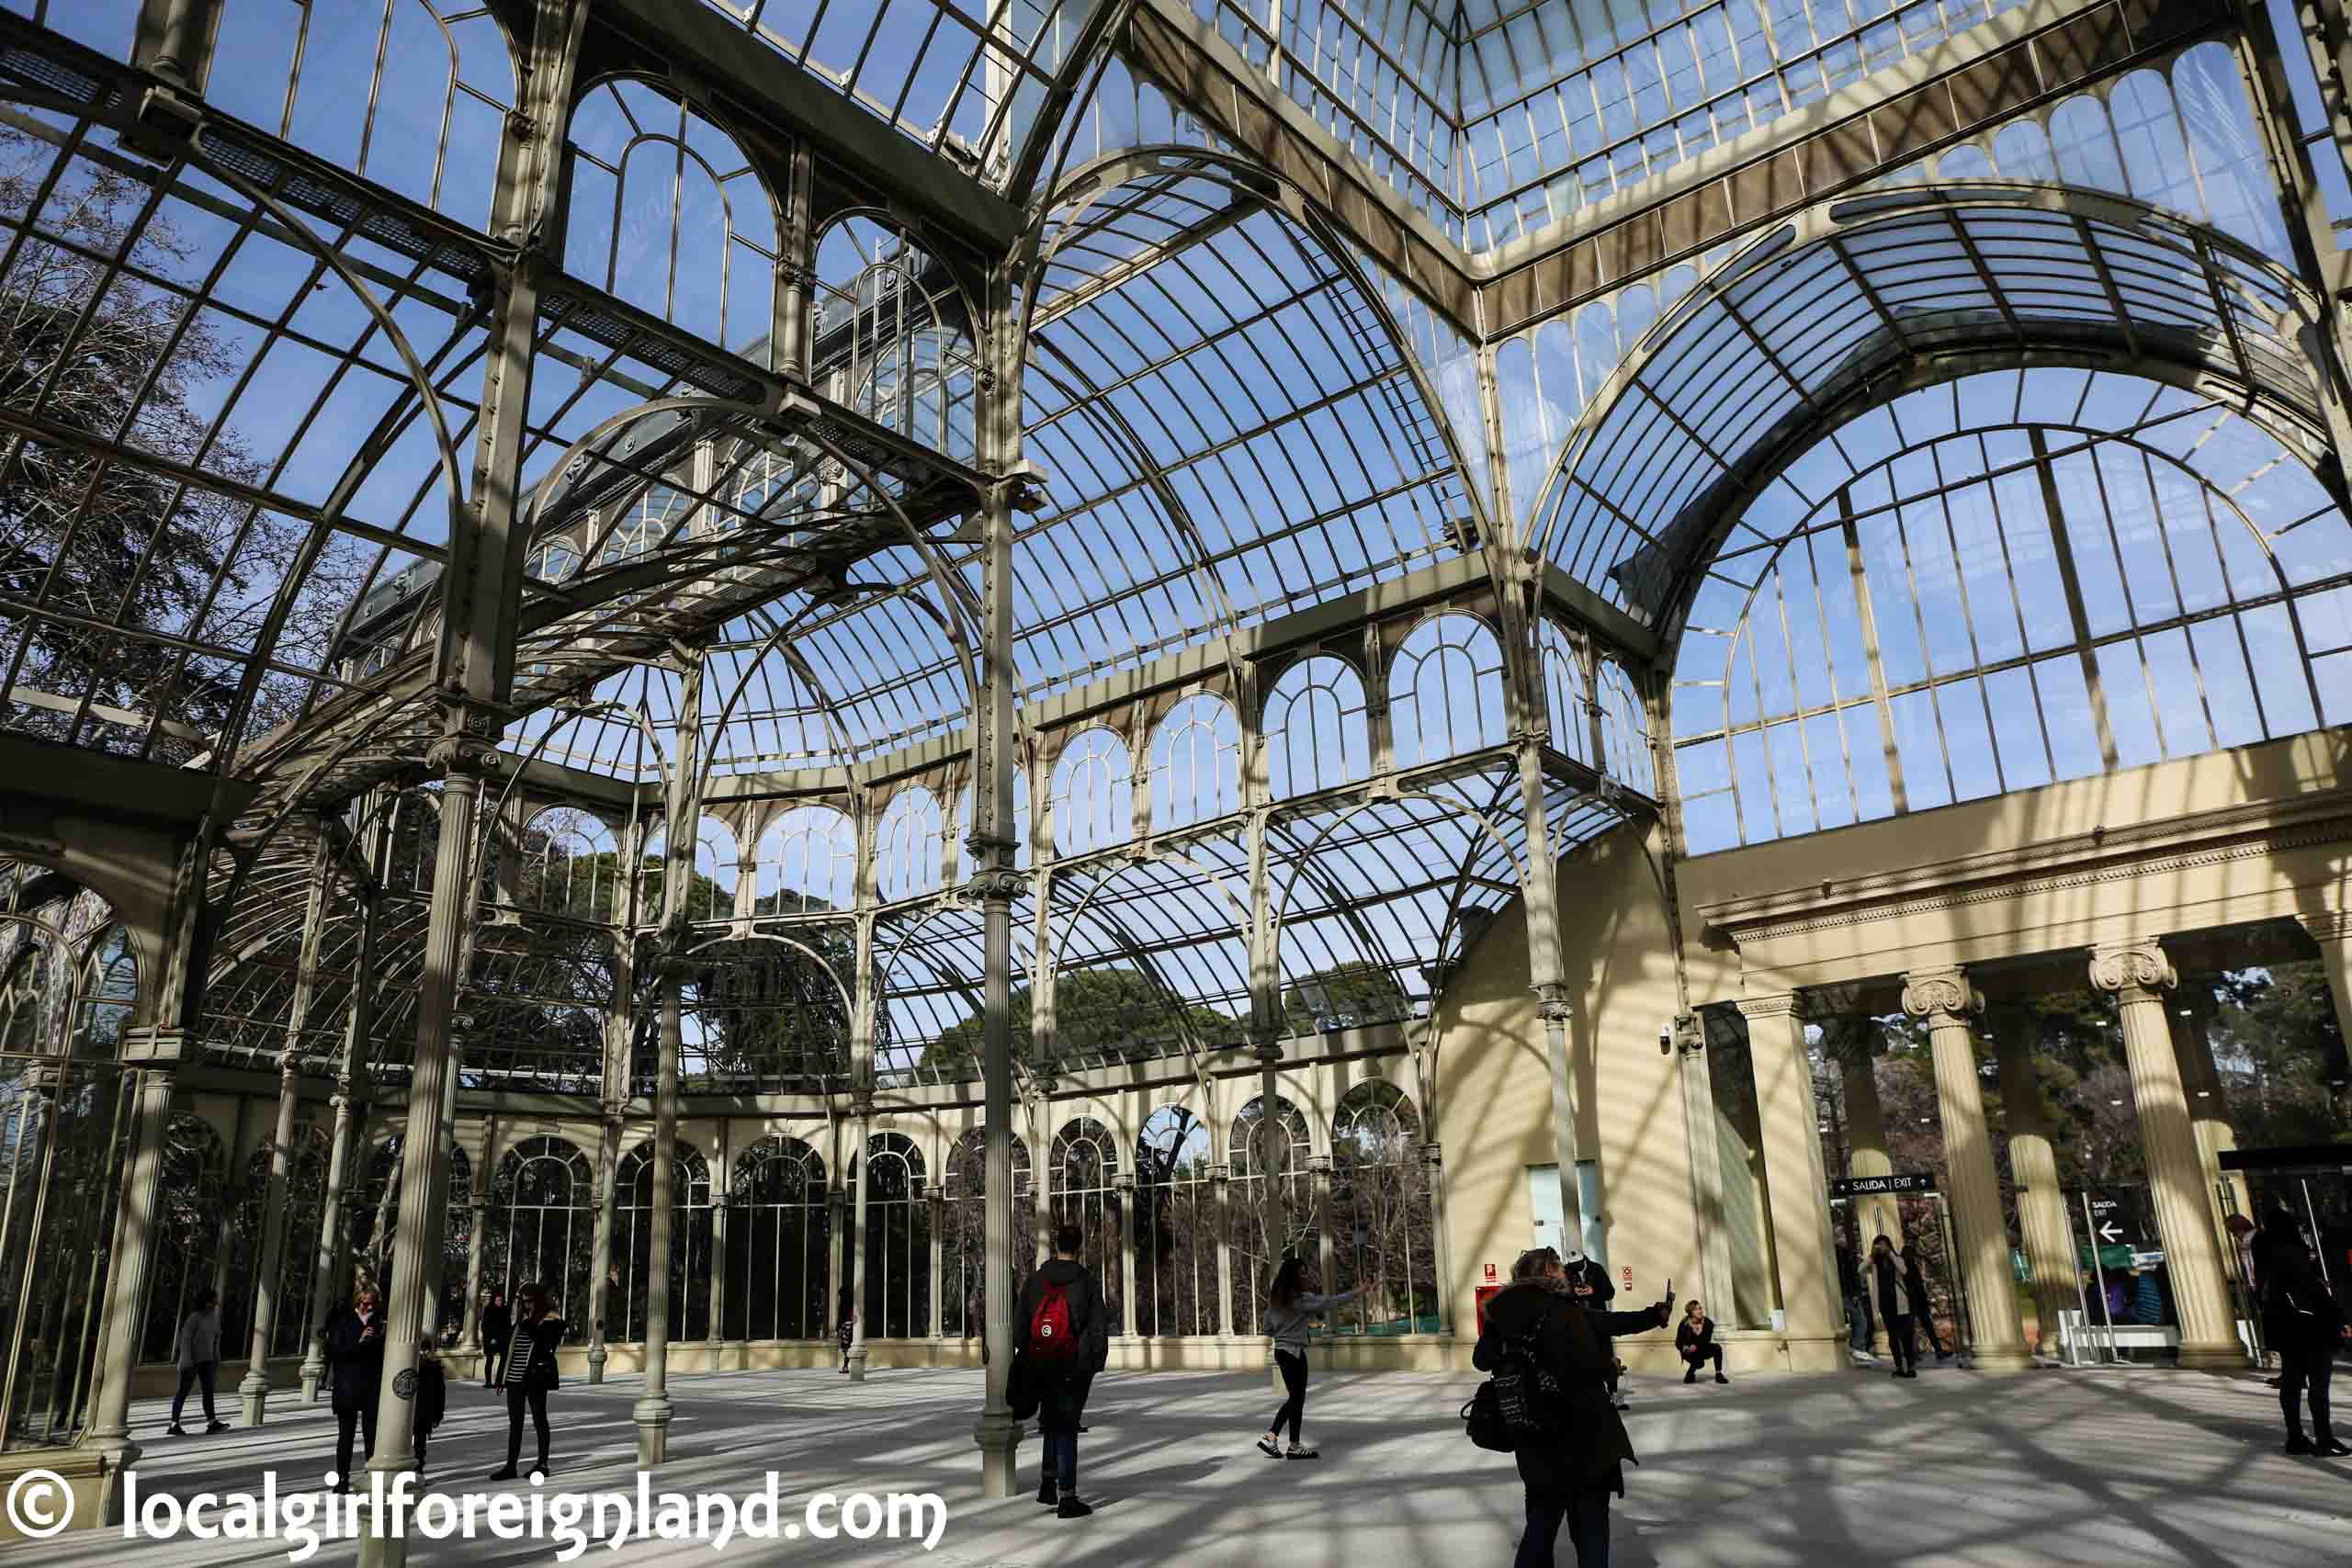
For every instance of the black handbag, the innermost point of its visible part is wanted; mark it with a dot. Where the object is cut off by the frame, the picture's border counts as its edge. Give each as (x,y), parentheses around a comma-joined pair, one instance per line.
(1519,1405)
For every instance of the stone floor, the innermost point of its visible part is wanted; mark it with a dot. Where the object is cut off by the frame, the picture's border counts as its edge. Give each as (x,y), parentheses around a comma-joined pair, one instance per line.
(2097,1468)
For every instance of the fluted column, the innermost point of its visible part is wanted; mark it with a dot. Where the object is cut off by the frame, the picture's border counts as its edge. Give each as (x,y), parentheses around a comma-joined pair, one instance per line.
(131,1262)
(1221,1205)
(477,1220)
(269,1269)
(1877,1213)
(1125,1183)
(836,1232)
(2033,1165)
(1945,1000)
(600,1265)
(722,1203)
(2191,1018)
(1796,1187)
(331,1226)
(2138,974)
(1434,1165)
(654,1409)
(1319,1176)
(1701,1121)
(935,1209)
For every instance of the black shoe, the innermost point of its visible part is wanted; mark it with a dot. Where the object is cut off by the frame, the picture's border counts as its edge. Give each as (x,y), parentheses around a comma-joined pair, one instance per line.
(2331,1448)
(212,1427)
(1084,1427)
(1069,1508)
(2299,1444)
(1048,1492)
(538,1469)
(503,1473)
(176,1431)
(1268,1446)
(1691,1376)
(1719,1378)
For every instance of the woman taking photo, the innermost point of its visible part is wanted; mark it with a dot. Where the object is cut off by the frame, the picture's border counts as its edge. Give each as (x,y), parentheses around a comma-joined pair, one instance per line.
(1289,1307)
(1695,1341)
(529,1373)
(1894,1305)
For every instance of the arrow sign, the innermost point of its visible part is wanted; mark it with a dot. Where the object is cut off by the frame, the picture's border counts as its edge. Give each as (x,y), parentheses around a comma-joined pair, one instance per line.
(2109,1233)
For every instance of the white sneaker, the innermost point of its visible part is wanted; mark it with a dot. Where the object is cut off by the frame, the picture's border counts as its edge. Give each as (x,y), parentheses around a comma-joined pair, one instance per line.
(1864,1358)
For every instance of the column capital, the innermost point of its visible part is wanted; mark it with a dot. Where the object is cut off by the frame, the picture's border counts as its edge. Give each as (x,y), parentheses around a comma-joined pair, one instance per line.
(1940,995)
(996,884)
(478,1199)
(2126,966)
(1784,1004)
(1318,1165)
(936,1191)
(1220,1171)
(1552,1004)
(1124,1180)
(1433,1152)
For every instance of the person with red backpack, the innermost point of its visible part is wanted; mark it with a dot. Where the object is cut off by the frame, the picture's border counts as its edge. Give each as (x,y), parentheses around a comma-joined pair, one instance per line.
(1061,1338)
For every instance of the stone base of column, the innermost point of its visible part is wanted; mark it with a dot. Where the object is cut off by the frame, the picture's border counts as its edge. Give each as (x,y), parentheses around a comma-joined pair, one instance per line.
(2007,1358)
(998,1440)
(857,1357)
(652,1417)
(597,1364)
(2225,1356)
(1818,1353)
(114,1456)
(313,1375)
(255,1394)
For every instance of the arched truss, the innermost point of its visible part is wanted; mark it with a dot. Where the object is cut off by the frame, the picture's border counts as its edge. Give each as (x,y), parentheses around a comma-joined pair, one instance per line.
(1859,298)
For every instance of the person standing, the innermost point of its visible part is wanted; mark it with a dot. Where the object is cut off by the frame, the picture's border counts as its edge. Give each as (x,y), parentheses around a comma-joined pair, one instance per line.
(356,1351)
(1290,1311)
(2305,1325)
(197,1353)
(1694,1340)
(530,1372)
(432,1394)
(1569,1481)
(497,1328)
(1895,1305)
(1923,1304)
(1589,1283)
(845,1326)
(1858,1303)
(1066,1339)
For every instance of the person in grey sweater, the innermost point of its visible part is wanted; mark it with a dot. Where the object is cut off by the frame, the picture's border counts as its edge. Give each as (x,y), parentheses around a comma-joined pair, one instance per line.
(1290,1306)
(196,1352)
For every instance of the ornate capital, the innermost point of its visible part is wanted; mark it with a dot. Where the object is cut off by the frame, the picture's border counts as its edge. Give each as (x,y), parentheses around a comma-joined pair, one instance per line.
(1124,1180)
(1552,1004)
(612,1112)
(1318,1165)
(936,1191)
(998,883)
(1786,1004)
(2122,966)
(465,756)
(1220,1171)
(1433,1153)
(478,1200)
(1945,993)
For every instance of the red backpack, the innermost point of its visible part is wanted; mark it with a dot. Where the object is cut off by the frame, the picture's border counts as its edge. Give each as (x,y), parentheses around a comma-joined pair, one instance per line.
(1050,1338)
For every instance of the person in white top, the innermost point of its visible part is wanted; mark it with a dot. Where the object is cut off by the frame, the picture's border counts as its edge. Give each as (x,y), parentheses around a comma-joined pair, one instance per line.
(1290,1306)
(196,1352)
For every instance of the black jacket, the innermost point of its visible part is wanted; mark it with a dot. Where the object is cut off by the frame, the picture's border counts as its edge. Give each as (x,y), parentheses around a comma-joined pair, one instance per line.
(2298,1314)
(1572,1344)
(432,1393)
(530,1357)
(1057,1390)
(356,1357)
(1892,1288)
(497,1327)
(1686,1341)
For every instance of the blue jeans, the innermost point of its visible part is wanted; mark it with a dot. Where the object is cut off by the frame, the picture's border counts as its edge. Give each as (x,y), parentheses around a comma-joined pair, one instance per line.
(1585,1513)
(1062,1458)
(1858,1318)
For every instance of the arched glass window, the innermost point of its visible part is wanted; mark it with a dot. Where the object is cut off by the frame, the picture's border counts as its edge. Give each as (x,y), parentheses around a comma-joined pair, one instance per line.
(777,1237)
(897,1240)
(542,1226)
(1383,1228)
(416,842)
(1445,690)
(668,214)
(1567,694)
(807,863)
(2017,578)
(890,341)
(371,1215)
(1093,803)
(906,851)
(1176,1226)
(570,865)
(411,94)
(107,995)
(191,1198)
(1317,736)
(1195,763)
(625,1307)
(306,1188)
(1260,1180)
(1084,1163)
(962,1250)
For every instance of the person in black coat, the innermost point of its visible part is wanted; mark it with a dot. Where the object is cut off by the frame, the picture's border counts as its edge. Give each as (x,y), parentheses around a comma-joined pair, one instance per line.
(1895,1305)
(1589,1283)
(530,1372)
(432,1394)
(497,1328)
(1694,1341)
(1054,1383)
(1923,1310)
(2305,1325)
(355,1355)
(1570,1480)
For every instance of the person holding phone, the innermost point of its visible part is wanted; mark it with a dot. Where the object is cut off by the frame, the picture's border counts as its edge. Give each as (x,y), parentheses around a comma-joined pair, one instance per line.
(530,1372)
(1694,1340)
(356,1352)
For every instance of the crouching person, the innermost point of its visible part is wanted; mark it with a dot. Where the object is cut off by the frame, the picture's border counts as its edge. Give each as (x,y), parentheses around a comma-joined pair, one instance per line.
(1567,1481)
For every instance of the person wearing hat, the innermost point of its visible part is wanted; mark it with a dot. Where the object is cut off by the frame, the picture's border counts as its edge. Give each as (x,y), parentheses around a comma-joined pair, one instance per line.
(1588,1285)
